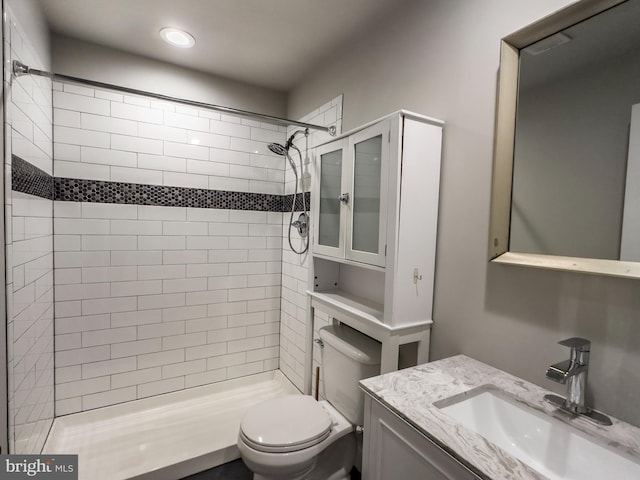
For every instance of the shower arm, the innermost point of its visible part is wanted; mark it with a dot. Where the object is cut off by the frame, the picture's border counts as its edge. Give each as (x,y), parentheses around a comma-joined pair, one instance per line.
(20,69)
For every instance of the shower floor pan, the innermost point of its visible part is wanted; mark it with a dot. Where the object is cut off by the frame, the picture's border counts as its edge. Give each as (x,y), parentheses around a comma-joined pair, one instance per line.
(168,436)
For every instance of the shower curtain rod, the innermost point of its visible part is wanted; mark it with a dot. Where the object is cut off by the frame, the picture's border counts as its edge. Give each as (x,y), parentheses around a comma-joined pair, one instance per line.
(20,69)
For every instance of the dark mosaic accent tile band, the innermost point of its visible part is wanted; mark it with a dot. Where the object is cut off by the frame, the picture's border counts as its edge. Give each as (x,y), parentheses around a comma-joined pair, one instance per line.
(98,191)
(79,190)
(288,199)
(29,179)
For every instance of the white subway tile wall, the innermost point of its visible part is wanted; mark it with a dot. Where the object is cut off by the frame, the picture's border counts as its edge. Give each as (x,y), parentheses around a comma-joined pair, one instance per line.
(101,135)
(29,251)
(153,299)
(295,268)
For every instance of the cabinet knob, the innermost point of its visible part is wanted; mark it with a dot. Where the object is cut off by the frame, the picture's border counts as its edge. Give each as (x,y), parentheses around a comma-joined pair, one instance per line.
(344,198)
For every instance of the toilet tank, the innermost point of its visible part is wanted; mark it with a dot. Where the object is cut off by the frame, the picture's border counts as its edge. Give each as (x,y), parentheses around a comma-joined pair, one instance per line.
(347,357)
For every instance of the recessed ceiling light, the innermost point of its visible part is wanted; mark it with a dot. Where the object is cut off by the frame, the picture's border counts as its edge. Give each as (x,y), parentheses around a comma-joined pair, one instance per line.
(177,38)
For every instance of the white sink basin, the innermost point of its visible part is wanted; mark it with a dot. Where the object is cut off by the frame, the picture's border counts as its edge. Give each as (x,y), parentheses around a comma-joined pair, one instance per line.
(546,444)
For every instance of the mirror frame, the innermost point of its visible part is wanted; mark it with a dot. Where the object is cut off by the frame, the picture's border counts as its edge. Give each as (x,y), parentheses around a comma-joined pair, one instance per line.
(502,178)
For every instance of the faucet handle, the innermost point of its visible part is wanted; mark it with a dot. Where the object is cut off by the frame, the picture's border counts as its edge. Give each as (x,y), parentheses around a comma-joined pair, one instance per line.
(577,344)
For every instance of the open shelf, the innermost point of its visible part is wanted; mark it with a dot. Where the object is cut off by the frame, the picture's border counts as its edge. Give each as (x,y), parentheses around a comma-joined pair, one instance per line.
(344,304)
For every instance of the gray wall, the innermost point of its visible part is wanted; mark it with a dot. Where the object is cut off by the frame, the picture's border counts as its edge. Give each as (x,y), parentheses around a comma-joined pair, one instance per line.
(441,58)
(28,12)
(95,62)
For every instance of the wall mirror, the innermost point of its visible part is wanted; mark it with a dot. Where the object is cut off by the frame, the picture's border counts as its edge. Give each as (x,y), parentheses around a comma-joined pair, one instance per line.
(566,173)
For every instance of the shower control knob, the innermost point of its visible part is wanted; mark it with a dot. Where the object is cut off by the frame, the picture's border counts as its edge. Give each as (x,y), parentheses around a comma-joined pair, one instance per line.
(344,198)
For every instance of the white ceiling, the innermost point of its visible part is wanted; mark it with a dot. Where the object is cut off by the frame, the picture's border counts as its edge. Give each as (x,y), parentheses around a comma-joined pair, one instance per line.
(272,43)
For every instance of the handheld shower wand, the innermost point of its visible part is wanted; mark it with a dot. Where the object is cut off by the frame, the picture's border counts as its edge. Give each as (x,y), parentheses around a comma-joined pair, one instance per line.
(302,223)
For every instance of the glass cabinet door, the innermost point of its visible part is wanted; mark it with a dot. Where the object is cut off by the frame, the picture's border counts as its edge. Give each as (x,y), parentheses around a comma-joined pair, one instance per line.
(329,224)
(366,194)
(330,186)
(369,152)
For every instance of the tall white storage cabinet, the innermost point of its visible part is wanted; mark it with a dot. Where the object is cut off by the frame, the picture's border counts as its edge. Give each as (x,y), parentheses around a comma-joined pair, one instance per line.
(374,222)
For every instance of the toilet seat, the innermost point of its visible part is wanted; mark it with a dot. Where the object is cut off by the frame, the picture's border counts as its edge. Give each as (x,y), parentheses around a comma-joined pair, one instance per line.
(285,424)
(283,448)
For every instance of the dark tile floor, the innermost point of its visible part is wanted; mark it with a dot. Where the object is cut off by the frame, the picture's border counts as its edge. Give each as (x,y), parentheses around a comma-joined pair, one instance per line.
(237,470)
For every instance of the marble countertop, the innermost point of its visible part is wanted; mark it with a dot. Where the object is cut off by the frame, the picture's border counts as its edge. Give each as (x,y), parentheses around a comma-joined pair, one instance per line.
(411,393)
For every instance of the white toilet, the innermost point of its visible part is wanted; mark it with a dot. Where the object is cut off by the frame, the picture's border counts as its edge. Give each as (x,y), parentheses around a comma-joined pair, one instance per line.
(296,437)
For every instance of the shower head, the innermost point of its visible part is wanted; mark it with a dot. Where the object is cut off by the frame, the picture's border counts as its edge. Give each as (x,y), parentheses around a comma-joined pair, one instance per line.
(283,149)
(278,149)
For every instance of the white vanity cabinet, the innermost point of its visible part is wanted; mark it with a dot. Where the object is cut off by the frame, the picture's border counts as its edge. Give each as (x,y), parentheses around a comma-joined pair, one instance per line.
(393,449)
(374,220)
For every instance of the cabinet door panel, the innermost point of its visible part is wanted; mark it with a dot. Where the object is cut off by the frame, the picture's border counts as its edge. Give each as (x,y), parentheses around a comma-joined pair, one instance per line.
(366,228)
(366,195)
(398,451)
(329,209)
(329,221)
(401,459)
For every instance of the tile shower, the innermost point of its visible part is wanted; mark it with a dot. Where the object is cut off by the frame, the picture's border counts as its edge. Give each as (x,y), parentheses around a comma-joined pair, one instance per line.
(155,293)
(165,225)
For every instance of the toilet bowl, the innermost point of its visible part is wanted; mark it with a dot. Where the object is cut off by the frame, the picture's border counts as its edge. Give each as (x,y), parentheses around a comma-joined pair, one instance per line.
(296,437)
(286,437)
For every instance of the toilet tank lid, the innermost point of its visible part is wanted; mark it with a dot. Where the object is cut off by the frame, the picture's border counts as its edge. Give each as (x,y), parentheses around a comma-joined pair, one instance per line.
(352,343)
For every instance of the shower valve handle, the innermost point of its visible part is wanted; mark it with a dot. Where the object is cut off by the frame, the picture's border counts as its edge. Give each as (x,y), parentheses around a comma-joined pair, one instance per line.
(344,198)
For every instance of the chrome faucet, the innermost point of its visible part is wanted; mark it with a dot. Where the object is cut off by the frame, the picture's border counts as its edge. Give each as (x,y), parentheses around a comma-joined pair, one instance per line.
(573,373)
